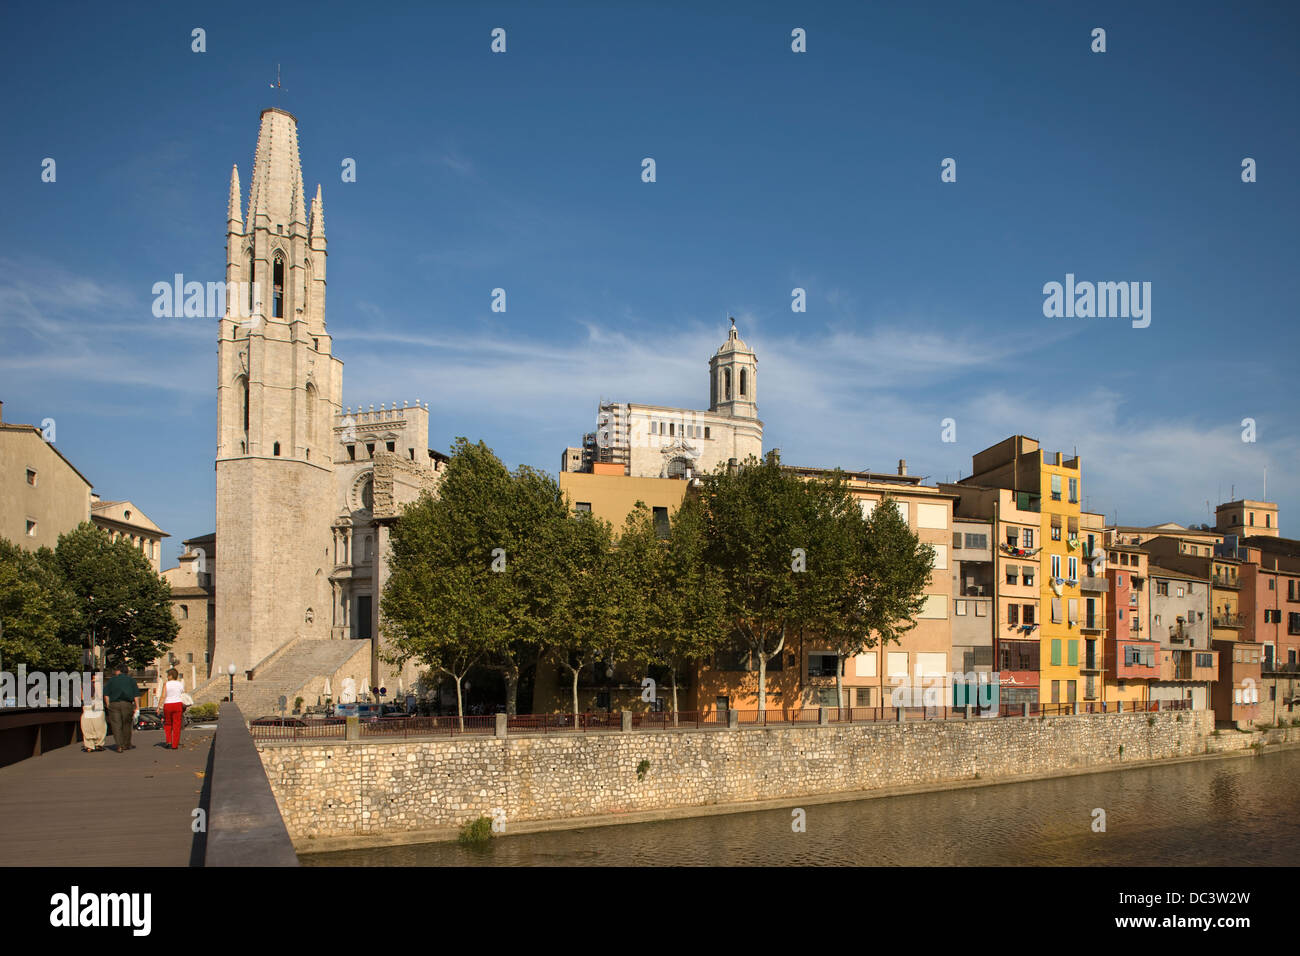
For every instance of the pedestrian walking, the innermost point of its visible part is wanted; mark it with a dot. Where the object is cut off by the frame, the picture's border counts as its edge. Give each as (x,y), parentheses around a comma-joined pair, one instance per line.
(173,708)
(94,727)
(120,693)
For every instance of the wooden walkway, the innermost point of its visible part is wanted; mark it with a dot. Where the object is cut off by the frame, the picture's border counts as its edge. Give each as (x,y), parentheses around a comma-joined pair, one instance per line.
(68,808)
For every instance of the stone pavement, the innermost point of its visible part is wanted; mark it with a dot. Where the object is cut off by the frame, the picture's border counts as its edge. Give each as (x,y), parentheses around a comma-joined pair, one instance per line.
(68,808)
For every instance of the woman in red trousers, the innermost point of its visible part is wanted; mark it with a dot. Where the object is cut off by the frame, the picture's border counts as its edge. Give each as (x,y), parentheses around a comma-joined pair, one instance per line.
(173,709)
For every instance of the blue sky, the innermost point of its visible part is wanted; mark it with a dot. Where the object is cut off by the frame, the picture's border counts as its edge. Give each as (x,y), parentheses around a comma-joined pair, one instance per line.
(775,170)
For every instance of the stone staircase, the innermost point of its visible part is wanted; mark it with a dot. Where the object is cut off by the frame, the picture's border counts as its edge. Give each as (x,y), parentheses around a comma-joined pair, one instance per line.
(297,669)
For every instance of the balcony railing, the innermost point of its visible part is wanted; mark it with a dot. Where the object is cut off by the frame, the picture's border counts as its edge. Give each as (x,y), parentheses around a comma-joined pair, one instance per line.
(1092,666)
(1280,668)
(1229,620)
(1219,581)
(1092,624)
(1092,583)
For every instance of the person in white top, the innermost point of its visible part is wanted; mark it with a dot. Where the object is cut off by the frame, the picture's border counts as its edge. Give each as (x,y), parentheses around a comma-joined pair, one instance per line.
(173,708)
(94,726)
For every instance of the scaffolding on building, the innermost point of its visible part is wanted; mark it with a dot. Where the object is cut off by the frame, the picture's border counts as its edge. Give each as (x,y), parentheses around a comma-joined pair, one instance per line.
(611,441)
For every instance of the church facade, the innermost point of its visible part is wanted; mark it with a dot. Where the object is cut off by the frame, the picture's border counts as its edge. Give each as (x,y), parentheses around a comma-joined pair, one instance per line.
(307,489)
(657,441)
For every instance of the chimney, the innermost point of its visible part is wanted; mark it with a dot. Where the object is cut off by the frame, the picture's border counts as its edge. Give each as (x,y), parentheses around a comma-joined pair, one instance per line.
(774,456)
(902,466)
(2,411)
(731,466)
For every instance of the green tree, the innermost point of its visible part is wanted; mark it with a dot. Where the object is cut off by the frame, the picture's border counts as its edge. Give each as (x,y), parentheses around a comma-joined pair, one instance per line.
(39,623)
(432,608)
(583,620)
(470,582)
(671,599)
(867,576)
(761,530)
(121,601)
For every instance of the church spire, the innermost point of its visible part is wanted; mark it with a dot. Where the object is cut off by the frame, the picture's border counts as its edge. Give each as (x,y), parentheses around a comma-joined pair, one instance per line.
(316,230)
(275,197)
(234,219)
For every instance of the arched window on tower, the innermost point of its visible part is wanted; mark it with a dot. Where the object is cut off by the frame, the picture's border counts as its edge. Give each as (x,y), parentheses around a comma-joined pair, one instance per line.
(277,288)
(742,383)
(241,385)
(726,383)
(311,415)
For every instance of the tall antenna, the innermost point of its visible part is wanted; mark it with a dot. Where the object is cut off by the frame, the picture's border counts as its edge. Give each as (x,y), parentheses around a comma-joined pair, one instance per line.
(276,85)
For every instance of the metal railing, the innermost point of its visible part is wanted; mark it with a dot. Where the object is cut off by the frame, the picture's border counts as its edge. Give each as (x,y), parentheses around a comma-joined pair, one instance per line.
(332,728)
(612,722)
(1228,620)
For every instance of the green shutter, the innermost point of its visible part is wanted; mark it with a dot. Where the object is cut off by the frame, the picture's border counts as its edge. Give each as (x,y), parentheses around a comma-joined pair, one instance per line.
(1073,651)
(1056,650)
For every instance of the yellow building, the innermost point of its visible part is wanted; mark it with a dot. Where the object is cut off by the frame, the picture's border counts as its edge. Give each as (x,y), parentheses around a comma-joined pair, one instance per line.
(609,494)
(41,494)
(123,520)
(1052,487)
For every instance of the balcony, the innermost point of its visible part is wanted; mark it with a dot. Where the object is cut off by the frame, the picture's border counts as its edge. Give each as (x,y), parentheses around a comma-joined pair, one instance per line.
(1092,625)
(1090,583)
(1091,665)
(1219,581)
(1229,620)
(1273,668)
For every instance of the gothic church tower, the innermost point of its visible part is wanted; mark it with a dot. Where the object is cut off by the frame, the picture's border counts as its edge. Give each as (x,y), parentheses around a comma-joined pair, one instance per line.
(279,389)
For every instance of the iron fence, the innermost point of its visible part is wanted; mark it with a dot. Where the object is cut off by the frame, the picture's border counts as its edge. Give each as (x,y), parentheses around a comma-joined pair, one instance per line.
(612,722)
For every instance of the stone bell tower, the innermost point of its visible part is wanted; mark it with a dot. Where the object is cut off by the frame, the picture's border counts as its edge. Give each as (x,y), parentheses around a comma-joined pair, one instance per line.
(733,378)
(278,391)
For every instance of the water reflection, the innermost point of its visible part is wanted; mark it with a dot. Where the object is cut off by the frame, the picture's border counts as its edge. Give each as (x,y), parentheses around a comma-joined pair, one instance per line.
(1219,812)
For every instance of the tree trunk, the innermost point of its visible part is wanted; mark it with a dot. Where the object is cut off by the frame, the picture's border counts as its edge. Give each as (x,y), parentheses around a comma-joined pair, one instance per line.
(575,697)
(762,682)
(460,706)
(511,674)
(674,696)
(839,683)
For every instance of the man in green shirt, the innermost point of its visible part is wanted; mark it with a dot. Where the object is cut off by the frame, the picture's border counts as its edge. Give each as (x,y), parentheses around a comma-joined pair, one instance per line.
(120,694)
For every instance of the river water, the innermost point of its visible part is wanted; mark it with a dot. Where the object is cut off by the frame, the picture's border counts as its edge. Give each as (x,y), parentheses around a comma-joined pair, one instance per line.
(1229,812)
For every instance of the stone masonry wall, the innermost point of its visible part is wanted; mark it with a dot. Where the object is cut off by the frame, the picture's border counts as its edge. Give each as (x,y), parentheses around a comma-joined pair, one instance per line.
(337,788)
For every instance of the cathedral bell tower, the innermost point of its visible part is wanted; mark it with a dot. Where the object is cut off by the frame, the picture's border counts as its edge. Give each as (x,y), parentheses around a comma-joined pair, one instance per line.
(733,378)
(279,390)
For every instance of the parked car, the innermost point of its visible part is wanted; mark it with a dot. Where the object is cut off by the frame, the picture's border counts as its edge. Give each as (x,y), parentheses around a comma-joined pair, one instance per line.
(358,709)
(148,719)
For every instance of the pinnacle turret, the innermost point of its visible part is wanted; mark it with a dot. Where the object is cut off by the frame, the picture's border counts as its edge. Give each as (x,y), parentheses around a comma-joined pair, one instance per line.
(234,220)
(316,230)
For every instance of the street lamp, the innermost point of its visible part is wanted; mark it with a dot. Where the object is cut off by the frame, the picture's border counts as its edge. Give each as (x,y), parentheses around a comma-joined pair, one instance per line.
(231,671)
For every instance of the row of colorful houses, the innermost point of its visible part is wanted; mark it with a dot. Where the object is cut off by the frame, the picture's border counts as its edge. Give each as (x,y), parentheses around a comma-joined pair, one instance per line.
(1029,591)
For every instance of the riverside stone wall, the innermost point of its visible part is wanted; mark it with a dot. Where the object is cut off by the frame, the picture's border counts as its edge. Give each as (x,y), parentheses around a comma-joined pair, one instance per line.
(338,788)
